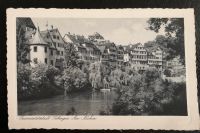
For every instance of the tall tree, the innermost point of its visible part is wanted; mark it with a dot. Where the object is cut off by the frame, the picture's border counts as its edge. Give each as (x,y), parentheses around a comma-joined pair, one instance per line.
(71,56)
(174,27)
(22,48)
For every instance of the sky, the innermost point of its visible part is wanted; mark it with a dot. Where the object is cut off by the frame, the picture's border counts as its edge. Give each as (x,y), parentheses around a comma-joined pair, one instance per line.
(121,31)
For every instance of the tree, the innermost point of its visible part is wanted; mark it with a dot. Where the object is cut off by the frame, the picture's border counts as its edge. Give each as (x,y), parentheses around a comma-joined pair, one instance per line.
(143,95)
(71,56)
(95,77)
(22,48)
(174,27)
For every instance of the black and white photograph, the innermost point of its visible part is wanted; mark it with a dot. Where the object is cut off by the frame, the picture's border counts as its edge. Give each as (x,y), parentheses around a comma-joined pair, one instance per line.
(102,65)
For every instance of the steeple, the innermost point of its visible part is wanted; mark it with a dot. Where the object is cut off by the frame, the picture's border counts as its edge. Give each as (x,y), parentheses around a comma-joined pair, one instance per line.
(37,38)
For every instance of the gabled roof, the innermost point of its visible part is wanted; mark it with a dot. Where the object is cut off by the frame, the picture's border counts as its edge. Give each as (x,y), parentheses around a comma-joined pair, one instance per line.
(57,31)
(47,38)
(96,35)
(136,45)
(101,48)
(37,39)
(68,39)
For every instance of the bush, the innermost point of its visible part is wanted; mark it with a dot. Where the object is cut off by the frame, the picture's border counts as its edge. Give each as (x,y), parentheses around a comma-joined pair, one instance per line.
(39,81)
(24,85)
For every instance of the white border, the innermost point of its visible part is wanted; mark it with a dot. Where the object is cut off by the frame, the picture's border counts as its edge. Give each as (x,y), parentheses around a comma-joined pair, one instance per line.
(190,122)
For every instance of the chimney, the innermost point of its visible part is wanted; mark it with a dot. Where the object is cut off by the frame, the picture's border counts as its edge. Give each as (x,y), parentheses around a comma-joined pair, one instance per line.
(69,33)
(52,27)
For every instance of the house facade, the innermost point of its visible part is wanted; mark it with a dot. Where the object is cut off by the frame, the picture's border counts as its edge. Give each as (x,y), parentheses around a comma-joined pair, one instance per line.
(141,58)
(138,56)
(87,51)
(39,49)
(47,47)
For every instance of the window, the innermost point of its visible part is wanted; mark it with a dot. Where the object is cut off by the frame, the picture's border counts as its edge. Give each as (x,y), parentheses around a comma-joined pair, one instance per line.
(45,49)
(58,37)
(58,44)
(51,52)
(52,62)
(61,52)
(54,44)
(54,36)
(35,49)
(58,52)
(45,60)
(35,60)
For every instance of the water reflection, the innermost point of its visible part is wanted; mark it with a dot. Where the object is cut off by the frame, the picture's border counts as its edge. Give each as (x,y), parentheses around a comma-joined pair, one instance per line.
(89,102)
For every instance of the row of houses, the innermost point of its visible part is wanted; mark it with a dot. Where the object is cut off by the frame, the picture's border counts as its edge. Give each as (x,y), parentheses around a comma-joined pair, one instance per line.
(48,46)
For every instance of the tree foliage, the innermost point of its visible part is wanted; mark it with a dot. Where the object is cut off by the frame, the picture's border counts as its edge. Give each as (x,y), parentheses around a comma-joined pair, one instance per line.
(74,79)
(174,27)
(147,94)
(165,43)
(36,82)
(71,56)
(22,48)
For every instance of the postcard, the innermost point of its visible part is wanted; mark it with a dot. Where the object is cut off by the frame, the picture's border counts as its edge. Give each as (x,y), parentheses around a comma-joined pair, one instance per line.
(101,69)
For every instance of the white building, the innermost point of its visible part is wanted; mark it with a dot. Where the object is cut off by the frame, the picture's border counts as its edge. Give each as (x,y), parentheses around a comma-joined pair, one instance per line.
(47,47)
(39,49)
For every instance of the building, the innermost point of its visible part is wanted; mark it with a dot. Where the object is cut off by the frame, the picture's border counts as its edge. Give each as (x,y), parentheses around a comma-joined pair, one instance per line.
(47,47)
(39,49)
(138,56)
(57,47)
(120,55)
(141,58)
(176,67)
(155,58)
(87,51)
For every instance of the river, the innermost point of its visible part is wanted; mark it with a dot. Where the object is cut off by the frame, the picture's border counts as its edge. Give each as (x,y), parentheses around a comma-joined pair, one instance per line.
(83,102)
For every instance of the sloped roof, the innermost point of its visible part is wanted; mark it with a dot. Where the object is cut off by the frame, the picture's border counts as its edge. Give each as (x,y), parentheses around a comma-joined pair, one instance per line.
(37,39)
(101,48)
(96,35)
(47,38)
(67,38)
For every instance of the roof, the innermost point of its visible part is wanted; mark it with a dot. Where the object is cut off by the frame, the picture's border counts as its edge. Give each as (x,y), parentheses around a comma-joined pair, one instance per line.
(47,38)
(131,47)
(25,21)
(37,39)
(96,35)
(67,38)
(102,48)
